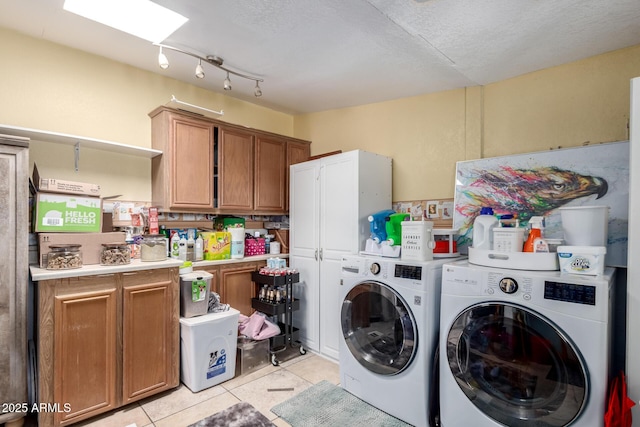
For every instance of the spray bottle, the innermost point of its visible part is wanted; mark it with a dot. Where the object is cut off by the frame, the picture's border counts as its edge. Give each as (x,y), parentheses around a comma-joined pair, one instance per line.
(535,242)
(175,245)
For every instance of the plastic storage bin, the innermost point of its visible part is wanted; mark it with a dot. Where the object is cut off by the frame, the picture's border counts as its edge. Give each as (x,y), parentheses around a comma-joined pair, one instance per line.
(194,293)
(251,355)
(417,241)
(208,346)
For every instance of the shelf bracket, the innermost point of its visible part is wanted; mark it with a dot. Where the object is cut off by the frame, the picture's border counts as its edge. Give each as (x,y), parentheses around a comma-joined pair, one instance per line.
(77,156)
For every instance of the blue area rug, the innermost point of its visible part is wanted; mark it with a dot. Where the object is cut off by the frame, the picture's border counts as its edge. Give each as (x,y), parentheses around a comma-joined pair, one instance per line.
(327,405)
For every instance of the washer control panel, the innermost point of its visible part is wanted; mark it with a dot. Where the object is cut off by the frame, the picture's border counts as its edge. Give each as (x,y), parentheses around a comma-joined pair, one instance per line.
(517,287)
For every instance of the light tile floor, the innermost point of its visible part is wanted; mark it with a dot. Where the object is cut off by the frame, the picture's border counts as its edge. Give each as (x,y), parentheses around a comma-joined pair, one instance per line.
(181,407)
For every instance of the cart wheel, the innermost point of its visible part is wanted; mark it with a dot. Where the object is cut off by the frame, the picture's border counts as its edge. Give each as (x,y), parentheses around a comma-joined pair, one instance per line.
(302,350)
(274,361)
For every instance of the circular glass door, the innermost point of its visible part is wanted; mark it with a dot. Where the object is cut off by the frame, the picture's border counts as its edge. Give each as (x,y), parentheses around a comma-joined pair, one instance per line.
(379,328)
(516,366)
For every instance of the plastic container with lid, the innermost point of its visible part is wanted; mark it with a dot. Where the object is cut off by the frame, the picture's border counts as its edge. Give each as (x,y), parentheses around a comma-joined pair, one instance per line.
(153,247)
(64,257)
(483,226)
(115,254)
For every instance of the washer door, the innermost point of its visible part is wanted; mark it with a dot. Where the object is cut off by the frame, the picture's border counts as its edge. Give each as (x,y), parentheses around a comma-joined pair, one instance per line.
(378,328)
(516,366)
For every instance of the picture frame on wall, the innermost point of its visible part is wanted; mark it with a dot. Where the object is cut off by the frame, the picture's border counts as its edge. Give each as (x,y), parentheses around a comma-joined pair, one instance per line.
(538,184)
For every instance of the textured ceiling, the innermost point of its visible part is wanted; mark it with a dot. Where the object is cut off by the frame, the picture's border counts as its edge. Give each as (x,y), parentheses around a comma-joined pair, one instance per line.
(316,55)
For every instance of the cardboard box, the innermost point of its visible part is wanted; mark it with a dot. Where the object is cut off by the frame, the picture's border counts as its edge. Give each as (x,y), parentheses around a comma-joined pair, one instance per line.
(216,245)
(91,244)
(63,213)
(53,185)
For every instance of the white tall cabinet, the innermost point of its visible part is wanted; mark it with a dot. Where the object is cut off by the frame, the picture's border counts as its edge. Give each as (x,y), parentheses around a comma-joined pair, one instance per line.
(14,277)
(330,200)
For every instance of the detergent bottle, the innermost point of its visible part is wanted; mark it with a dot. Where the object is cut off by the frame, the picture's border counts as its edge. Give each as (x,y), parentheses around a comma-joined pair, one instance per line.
(535,242)
(393,227)
(377,222)
(483,227)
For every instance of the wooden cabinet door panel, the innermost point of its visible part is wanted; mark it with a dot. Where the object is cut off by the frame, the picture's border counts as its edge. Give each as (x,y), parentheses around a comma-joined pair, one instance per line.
(297,152)
(237,288)
(191,164)
(149,340)
(270,174)
(85,354)
(235,169)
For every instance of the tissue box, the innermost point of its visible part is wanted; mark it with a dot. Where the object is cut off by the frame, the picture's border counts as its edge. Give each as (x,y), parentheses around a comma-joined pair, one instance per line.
(587,260)
(254,246)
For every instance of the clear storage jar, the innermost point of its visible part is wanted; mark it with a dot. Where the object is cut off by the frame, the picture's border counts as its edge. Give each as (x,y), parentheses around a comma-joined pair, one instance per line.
(153,247)
(115,254)
(64,257)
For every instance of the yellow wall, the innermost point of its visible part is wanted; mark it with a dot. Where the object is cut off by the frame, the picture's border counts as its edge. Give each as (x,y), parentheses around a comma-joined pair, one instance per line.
(50,87)
(563,106)
(54,88)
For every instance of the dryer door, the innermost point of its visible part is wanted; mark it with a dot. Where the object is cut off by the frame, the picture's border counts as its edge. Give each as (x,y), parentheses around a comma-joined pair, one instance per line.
(379,329)
(516,366)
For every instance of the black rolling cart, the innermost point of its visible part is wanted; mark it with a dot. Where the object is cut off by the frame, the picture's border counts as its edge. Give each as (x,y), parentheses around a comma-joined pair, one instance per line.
(289,336)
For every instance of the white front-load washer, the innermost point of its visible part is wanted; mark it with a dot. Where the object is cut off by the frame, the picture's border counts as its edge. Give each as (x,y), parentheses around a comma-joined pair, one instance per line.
(524,348)
(389,320)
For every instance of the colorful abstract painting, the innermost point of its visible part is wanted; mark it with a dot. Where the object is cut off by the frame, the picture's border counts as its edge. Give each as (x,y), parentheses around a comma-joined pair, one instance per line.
(537,184)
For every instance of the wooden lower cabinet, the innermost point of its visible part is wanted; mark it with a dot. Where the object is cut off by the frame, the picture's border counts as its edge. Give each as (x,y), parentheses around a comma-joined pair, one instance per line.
(234,285)
(105,341)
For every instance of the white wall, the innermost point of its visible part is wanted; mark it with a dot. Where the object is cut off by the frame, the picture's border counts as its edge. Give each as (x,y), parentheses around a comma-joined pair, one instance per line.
(633,274)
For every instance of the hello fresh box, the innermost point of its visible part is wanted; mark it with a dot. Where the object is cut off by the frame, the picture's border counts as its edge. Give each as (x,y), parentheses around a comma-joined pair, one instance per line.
(67,213)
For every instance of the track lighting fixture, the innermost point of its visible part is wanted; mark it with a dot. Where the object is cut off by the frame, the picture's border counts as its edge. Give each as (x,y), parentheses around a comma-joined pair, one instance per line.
(162,60)
(200,70)
(216,61)
(227,82)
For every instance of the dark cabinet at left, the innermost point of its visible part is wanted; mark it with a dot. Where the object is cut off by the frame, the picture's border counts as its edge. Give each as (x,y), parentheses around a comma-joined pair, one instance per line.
(14,277)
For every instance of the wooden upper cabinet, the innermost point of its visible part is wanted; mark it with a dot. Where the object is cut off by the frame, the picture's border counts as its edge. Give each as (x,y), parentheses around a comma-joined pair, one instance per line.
(270,174)
(182,178)
(235,169)
(297,152)
(211,166)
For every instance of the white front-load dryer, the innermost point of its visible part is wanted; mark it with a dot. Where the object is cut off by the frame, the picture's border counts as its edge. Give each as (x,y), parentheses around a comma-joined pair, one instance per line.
(389,321)
(524,348)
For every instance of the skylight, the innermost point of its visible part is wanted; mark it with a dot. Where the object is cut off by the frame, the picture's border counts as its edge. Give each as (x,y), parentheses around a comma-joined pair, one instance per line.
(141,18)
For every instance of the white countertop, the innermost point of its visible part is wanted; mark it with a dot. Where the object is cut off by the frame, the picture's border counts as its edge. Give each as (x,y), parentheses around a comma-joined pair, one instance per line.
(38,274)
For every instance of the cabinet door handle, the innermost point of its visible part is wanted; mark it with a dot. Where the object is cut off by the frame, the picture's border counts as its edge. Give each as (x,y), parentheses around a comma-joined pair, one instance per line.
(320,254)
(316,254)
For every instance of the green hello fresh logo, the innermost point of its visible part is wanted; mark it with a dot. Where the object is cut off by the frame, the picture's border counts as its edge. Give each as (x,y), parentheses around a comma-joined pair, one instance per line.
(65,213)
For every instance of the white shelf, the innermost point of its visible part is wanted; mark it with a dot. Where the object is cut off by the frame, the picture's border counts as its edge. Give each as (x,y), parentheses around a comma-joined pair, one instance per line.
(81,141)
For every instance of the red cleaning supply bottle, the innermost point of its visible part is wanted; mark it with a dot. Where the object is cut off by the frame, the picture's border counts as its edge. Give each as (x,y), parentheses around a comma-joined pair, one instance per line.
(535,233)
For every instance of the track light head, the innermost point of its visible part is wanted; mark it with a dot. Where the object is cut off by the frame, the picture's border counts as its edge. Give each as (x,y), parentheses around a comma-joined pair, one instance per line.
(227,82)
(162,60)
(213,60)
(199,70)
